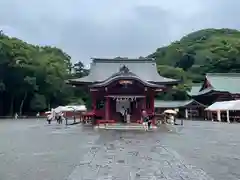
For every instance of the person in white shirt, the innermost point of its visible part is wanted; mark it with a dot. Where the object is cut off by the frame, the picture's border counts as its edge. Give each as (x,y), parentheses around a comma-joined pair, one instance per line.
(171,118)
(16,116)
(145,119)
(49,118)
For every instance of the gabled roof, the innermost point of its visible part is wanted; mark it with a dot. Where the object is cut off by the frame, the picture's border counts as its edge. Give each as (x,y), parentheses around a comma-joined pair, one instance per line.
(174,104)
(220,82)
(226,82)
(144,68)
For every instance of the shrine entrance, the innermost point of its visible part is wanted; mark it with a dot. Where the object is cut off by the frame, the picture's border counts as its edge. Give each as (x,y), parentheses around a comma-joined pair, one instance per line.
(126,109)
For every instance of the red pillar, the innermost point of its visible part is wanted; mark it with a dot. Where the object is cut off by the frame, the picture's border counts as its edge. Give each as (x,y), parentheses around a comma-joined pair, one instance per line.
(152,101)
(94,101)
(152,107)
(107,108)
(144,102)
(145,99)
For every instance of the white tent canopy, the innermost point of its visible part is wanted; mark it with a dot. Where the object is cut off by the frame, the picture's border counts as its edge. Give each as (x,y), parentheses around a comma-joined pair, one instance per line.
(225,106)
(70,108)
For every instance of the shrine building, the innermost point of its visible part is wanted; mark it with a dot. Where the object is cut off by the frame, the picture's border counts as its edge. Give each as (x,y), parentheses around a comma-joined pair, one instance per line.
(122,83)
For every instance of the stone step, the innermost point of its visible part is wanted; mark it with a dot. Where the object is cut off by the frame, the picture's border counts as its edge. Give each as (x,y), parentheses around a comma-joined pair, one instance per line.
(122,127)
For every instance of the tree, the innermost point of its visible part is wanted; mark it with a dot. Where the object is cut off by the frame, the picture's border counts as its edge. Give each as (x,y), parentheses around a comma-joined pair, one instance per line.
(38,103)
(80,70)
(29,86)
(178,92)
(186,61)
(200,52)
(27,71)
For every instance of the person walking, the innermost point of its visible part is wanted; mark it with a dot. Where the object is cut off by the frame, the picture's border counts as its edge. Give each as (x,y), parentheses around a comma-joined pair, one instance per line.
(49,118)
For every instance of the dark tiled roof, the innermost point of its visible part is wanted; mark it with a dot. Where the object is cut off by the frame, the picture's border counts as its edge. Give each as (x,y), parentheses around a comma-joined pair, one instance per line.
(174,104)
(204,91)
(125,74)
(145,69)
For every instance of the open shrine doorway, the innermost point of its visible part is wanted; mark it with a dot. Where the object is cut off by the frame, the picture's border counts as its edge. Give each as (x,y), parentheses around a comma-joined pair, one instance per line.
(126,109)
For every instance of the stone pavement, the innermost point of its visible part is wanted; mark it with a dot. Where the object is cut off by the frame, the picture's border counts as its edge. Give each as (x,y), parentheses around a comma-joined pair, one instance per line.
(33,150)
(132,157)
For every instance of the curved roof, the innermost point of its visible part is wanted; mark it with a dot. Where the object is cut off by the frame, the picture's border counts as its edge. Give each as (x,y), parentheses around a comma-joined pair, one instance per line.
(195,89)
(228,82)
(145,69)
(220,82)
(124,73)
(176,104)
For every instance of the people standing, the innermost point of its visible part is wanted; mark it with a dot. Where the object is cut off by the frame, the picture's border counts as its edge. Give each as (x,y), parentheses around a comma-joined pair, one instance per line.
(171,118)
(122,111)
(128,116)
(149,123)
(61,118)
(16,116)
(49,118)
(145,120)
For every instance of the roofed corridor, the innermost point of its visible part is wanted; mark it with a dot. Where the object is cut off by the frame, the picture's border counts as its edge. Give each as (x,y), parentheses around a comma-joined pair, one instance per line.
(30,149)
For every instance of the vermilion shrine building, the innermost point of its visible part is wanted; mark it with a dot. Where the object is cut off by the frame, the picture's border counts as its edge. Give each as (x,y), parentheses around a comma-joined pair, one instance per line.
(123,83)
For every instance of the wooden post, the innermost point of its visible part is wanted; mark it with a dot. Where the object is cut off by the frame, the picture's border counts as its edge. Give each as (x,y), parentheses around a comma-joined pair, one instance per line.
(152,101)
(228,120)
(152,107)
(186,113)
(94,101)
(107,108)
(219,115)
(145,99)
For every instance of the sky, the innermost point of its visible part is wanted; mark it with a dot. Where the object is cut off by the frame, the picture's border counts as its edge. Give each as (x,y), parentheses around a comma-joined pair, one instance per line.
(110,28)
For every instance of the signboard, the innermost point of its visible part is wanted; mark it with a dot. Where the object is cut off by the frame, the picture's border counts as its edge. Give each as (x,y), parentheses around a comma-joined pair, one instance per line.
(125,98)
(93,90)
(124,82)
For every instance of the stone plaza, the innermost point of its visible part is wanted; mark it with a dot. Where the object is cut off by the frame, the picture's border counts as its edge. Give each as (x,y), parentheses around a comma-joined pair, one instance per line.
(32,150)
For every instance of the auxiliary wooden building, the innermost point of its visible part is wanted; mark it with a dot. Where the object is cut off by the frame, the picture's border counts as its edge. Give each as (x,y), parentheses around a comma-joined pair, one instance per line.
(121,83)
(220,87)
(188,109)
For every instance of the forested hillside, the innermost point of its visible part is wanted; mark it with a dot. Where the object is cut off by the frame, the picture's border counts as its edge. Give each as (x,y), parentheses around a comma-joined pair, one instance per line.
(204,51)
(32,78)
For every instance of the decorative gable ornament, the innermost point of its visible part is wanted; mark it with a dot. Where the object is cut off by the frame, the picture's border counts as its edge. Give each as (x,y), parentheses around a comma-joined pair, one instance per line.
(124,69)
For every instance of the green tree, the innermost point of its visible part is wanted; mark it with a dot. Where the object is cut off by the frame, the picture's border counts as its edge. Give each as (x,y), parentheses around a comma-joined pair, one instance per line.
(38,103)
(177,92)
(80,70)
(27,71)
(29,86)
